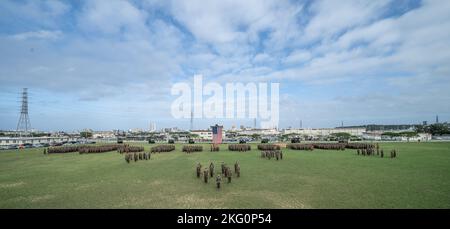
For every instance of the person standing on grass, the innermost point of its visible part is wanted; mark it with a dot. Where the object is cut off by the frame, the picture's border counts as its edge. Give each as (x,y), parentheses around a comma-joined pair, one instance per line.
(199,169)
(223,167)
(211,169)
(218,180)
(205,176)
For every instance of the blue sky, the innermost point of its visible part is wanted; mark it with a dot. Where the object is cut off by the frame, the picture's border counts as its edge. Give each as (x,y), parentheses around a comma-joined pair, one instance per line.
(111,64)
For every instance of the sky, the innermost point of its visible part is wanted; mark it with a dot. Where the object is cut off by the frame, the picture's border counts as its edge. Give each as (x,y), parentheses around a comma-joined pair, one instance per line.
(107,65)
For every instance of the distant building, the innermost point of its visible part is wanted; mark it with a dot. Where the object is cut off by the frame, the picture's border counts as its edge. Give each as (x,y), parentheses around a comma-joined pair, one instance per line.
(203,134)
(170,130)
(259,132)
(378,136)
(206,134)
(6,141)
(445,137)
(103,134)
(325,131)
(135,130)
(152,127)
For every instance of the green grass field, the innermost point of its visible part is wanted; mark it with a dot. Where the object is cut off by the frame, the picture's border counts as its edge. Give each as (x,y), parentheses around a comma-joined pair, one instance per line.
(418,178)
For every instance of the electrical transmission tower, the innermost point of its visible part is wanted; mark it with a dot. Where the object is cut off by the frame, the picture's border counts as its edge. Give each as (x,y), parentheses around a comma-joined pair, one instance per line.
(24,125)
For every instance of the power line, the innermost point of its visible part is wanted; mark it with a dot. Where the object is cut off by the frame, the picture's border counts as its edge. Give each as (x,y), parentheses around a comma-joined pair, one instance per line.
(192,120)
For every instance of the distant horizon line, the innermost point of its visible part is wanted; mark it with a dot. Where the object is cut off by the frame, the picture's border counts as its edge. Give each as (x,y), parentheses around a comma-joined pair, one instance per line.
(237,128)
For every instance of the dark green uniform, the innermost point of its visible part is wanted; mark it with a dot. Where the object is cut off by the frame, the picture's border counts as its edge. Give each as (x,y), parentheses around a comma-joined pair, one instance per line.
(211,170)
(218,180)
(205,176)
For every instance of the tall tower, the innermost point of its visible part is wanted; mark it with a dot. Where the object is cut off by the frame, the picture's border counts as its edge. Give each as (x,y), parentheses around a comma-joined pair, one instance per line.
(437,119)
(192,120)
(24,125)
(254,123)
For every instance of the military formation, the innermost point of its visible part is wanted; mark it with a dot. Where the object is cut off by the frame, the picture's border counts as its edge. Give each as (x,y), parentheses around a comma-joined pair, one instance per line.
(129,157)
(298,146)
(329,146)
(62,149)
(83,149)
(191,149)
(130,149)
(269,154)
(214,147)
(239,147)
(162,148)
(361,146)
(268,147)
(99,149)
(226,173)
(374,150)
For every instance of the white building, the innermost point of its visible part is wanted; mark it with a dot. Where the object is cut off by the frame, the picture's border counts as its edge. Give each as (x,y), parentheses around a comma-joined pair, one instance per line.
(258,132)
(206,134)
(203,134)
(152,127)
(445,137)
(103,134)
(378,135)
(5,141)
(325,131)
(375,136)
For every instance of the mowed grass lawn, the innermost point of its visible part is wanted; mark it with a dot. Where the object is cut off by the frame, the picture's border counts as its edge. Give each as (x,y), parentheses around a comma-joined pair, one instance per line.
(418,178)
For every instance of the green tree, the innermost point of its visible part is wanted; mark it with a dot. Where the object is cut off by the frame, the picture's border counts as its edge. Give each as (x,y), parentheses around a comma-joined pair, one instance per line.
(409,134)
(256,136)
(86,134)
(341,136)
(193,135)
(420,129)
(437,129)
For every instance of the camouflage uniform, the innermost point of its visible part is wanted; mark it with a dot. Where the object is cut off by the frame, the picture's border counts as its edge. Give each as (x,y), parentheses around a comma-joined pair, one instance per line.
(205,176)
(218,180)
(211,170)
(199,169)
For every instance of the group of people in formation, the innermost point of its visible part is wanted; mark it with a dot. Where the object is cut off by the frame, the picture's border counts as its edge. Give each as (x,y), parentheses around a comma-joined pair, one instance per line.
(226,172)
